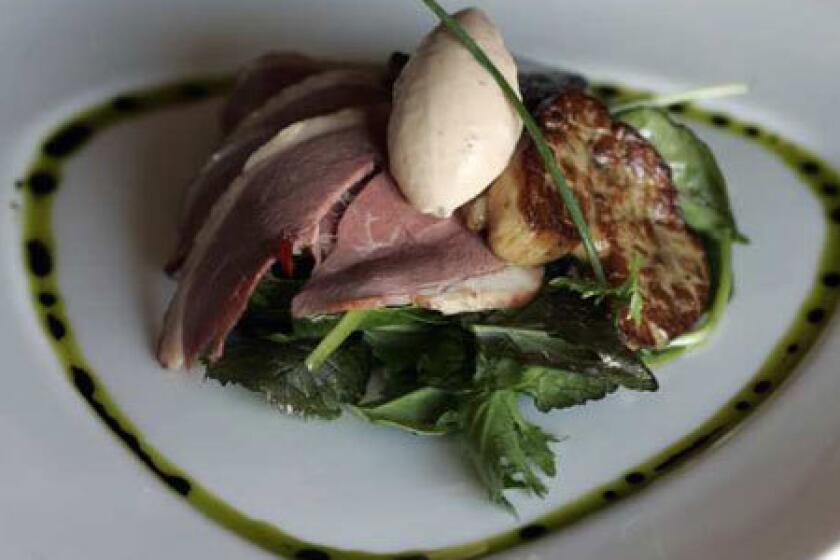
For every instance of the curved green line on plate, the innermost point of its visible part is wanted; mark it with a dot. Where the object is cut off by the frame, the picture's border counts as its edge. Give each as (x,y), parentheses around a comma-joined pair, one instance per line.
(43,180)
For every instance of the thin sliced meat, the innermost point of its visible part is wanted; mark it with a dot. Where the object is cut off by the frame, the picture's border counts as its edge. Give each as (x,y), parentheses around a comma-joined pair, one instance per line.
(318,94)
(275,207)
(263,77)
(212,181)
(388,253)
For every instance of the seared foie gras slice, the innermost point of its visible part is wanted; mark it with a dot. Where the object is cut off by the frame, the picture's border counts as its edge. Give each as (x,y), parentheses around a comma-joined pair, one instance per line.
(625,191)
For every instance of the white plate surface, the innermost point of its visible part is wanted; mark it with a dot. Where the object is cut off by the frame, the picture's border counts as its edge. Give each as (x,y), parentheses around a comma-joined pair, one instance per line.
(69,491)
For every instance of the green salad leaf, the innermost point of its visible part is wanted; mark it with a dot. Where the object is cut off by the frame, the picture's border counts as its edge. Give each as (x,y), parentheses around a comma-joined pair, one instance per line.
(703,197)
(441,356)
(507,450)
(418,411)
(628,293)
(556,388)
(269,308)
(561,331)
(269,313)
(382,317)
(277,371)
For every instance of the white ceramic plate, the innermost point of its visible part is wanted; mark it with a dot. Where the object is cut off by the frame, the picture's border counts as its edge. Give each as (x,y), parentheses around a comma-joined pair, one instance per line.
(70,489)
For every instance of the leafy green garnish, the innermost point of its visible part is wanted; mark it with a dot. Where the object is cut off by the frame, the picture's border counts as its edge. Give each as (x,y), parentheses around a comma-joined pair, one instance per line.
(629,292)
(269,308)
(703,197)
(277,371)
(555,388)
(440,356)
(353,321)
(560,331)
(507,450)
(418,411)
(347,325)
(545,151)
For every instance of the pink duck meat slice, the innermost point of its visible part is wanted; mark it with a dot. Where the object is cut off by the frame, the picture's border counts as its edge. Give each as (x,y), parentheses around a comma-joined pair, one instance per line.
(317,94)
(262,78)
(276,206)
(388,253)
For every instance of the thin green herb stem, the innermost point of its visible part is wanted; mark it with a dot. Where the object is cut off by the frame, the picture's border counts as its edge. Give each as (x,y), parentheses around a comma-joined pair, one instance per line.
(699,94)
(348,324)
(534,131)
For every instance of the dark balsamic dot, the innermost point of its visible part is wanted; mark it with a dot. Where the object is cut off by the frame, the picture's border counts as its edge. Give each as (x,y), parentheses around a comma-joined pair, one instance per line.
(67,140)
(311,554)
(816,316)
(56,327)
(194,91)
(607,91)
(810,167)
(38,257)
(831,280)
(47,299)
(83,381)
(692,449)
(85,385)
(610,495)
(42,183)
(793,348)
(531,532)
(830,189)
(835,215)
(635,478)
(742,406)
(677,108)
(125,103)
(720,120)
(752,131)
(178,483)
(762,387)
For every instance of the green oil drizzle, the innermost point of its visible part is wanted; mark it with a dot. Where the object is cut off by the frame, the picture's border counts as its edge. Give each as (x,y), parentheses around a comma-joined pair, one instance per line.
(44,178)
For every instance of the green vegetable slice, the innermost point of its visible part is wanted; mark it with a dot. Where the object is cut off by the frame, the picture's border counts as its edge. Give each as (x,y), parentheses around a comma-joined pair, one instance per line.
(277,371)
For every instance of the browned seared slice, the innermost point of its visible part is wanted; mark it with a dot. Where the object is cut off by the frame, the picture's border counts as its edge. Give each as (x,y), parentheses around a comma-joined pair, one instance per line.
(629,201)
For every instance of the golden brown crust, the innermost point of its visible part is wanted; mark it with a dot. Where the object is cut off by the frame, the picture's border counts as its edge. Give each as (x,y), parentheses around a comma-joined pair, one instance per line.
(625,191)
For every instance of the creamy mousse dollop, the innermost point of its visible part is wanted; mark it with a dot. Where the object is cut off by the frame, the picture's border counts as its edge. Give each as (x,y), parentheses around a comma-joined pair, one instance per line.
(452,131)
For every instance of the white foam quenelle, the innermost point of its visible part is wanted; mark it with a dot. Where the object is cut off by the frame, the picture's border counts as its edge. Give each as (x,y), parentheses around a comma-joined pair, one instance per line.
(452,131)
